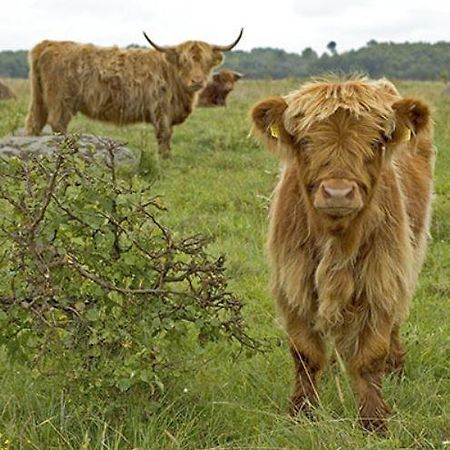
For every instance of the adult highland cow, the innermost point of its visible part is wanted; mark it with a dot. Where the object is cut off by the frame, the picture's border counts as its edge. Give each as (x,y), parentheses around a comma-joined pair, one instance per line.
(217,90)
(117,85)
(349,225)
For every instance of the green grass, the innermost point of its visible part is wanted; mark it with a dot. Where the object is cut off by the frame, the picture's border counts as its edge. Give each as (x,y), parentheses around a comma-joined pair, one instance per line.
(218,183)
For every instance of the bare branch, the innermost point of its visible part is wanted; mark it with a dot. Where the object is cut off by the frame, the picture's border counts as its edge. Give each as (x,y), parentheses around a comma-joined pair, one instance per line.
(48,194)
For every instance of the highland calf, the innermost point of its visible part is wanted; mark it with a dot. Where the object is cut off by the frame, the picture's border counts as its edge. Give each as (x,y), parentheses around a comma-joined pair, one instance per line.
(117,85)
(217,90)
(348,229)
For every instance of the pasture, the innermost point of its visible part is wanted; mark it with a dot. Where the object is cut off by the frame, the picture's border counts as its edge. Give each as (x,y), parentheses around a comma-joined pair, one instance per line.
(218,183)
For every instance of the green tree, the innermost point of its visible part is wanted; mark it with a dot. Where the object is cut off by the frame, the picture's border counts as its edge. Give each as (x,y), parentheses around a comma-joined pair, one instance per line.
(331,46)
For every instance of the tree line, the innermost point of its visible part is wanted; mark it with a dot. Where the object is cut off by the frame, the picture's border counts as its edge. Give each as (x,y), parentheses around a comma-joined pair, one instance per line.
(14,64)
(415,61)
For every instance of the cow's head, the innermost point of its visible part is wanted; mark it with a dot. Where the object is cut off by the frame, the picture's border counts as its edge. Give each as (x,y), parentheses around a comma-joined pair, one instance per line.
(340,135)
(194,60)
(226,79)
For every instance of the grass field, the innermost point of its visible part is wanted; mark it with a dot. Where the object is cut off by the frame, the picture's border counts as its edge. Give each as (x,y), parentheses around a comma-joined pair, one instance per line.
(218,183)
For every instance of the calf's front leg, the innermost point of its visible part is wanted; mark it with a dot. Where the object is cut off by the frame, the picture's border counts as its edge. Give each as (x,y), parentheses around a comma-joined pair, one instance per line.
(367,366)
(308,351)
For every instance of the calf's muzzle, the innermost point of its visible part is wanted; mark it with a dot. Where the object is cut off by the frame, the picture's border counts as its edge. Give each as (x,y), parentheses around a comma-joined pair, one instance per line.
(338,197)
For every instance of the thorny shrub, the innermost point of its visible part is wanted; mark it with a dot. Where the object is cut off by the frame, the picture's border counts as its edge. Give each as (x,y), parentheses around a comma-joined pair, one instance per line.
(93,284)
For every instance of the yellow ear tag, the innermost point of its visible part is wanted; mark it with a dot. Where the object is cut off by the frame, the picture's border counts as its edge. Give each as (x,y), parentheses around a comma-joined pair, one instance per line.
(275,131)
(408,135)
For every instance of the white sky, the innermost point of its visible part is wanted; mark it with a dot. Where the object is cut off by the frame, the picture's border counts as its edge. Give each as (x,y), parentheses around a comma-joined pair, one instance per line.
(288,24)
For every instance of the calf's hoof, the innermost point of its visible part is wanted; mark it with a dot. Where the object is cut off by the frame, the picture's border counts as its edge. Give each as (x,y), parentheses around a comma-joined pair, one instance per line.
(374,420)
(395,365)
(301,404)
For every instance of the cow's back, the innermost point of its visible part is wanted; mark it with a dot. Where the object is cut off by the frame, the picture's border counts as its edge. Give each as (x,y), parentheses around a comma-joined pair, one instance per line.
(105,83)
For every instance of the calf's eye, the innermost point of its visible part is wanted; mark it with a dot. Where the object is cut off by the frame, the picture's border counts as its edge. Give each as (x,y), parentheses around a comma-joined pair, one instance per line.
(303,142)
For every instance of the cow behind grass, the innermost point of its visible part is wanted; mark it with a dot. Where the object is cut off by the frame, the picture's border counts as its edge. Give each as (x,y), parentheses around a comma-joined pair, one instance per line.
(117,85)
(217,90)
(349,225)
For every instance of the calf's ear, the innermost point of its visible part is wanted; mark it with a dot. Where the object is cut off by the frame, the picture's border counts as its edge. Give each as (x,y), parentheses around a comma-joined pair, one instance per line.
(411,117)
(267,118)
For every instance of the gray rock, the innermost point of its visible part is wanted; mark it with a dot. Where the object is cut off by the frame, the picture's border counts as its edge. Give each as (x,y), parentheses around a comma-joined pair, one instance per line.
(88,145)
(21,131)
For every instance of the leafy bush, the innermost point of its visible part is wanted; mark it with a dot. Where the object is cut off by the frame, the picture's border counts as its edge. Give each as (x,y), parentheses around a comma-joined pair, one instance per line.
(93,284)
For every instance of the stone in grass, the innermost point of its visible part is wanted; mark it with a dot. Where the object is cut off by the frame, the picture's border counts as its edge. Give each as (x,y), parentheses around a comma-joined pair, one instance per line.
(88,145)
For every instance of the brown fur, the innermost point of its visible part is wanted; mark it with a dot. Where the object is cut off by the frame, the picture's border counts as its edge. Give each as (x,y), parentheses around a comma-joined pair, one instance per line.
(217,90)
(349,276)
(5,92)
(117,85)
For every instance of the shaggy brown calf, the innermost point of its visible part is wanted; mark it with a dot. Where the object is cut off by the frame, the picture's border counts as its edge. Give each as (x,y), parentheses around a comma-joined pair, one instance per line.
(117,85)
(349,224)
(217,90)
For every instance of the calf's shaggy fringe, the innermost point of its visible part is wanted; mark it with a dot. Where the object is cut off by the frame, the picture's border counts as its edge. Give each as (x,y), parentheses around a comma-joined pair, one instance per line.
(347,277)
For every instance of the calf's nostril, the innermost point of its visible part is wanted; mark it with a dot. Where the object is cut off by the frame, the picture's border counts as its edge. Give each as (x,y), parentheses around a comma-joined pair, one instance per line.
(325,192)
(350,194)
(338,193)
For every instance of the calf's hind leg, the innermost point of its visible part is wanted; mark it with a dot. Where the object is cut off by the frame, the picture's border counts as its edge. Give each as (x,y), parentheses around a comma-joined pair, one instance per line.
(397,353)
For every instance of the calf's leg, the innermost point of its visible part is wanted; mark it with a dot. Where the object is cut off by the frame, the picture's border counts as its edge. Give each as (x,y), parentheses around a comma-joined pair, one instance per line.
(397,353)
(308,351)
(367,365)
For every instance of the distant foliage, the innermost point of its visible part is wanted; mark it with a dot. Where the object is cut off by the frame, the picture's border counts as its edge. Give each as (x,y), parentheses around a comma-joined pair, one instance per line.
(268,63)
(414,61)
(417,61)
(14,64)
(93,285)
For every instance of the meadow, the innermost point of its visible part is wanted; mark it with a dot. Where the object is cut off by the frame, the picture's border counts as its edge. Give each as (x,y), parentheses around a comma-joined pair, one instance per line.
(218,183)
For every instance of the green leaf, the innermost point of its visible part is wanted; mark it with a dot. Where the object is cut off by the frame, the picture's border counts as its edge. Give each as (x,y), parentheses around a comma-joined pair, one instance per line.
(92,314)
(124,384)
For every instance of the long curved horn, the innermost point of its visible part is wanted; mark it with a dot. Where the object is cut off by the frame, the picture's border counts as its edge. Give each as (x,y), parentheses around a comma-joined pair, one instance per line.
(157,47)
(227,48)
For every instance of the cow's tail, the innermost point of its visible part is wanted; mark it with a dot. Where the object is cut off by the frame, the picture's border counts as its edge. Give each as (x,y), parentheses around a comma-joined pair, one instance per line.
(37,111)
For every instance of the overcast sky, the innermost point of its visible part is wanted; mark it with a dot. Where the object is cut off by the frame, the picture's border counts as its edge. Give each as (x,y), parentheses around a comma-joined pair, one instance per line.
(288,24)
